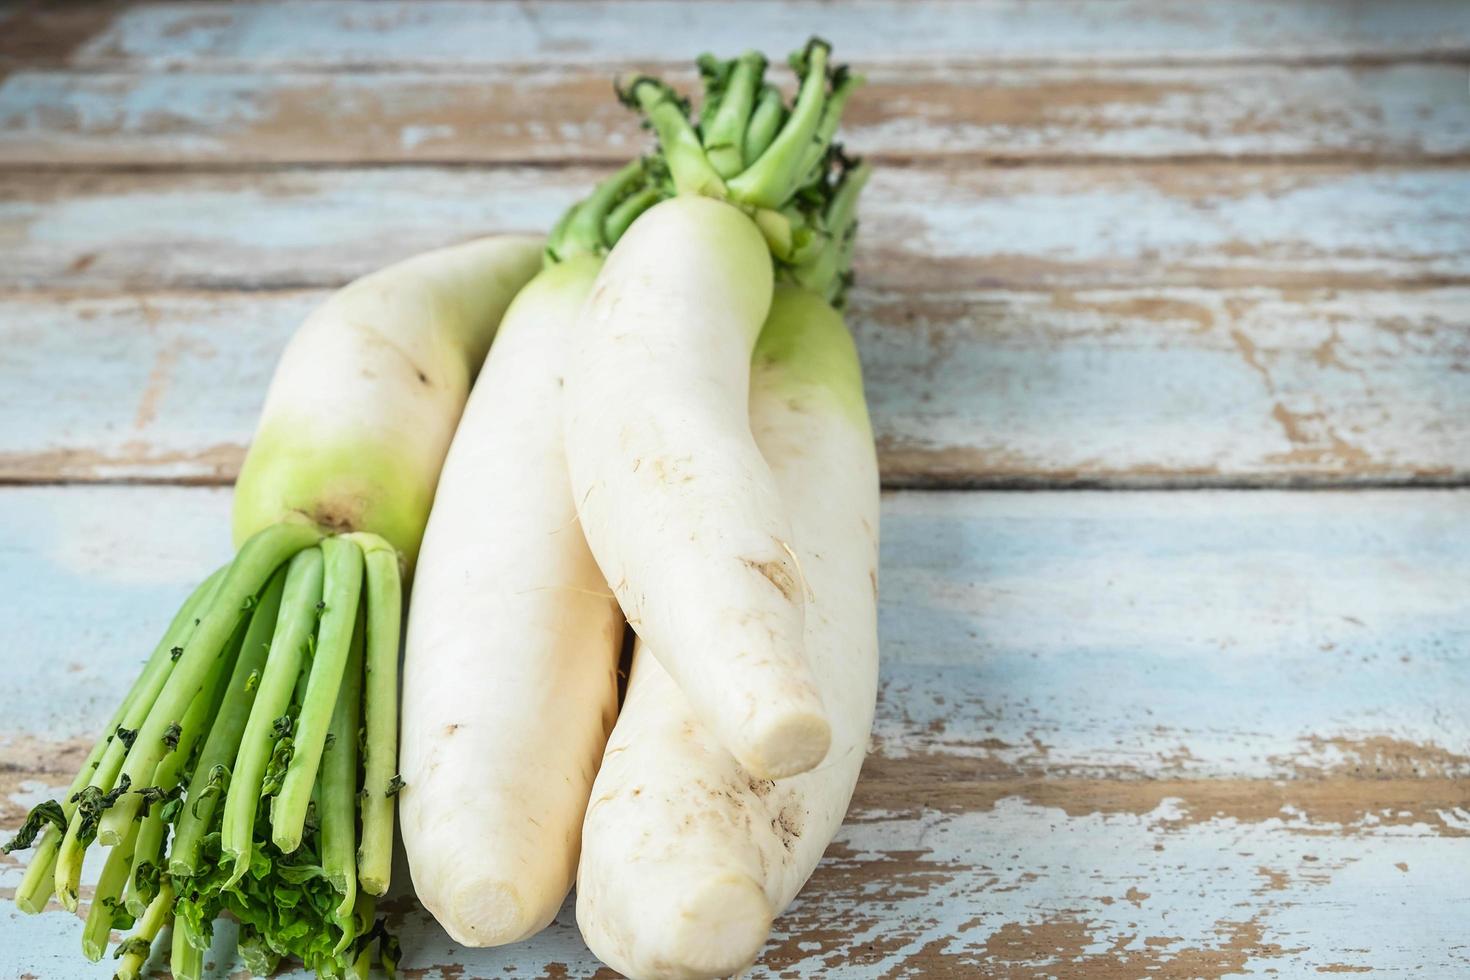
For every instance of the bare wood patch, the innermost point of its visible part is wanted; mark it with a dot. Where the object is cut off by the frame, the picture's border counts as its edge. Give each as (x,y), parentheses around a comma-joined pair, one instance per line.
(560,114)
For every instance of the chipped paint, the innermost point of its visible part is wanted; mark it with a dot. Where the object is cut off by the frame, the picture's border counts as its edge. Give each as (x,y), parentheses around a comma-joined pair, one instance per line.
(1119,735)
(457,34)
(554,115)
(948,229)
(1123,387)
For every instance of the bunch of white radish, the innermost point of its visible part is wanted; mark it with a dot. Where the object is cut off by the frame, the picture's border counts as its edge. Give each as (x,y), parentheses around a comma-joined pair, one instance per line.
(674,435)
(668,434)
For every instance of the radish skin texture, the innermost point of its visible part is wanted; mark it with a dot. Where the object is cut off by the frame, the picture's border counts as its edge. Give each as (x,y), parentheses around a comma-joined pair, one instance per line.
(687,856)
(365,399)
(510,681)
(677,504)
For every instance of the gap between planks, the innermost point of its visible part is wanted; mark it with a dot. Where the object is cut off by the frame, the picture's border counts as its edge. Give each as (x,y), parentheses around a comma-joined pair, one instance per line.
(338,35)
(1359,161)
(977,483)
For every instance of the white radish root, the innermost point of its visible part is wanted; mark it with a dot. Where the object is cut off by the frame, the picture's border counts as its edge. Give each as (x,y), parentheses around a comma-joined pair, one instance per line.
(687,855)
(510,683)
(678,506)
(368,391)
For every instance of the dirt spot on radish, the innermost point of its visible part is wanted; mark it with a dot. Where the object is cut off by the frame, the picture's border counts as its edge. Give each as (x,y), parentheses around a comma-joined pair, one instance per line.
(451,728)
(787,825)
(776,574)
(337,519)
(761,787)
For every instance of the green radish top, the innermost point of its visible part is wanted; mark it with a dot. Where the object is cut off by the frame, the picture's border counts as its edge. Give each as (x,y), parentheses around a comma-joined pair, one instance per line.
(779,164)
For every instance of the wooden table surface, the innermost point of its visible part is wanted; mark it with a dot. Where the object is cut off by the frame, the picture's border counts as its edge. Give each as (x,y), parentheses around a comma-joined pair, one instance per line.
(1165,314)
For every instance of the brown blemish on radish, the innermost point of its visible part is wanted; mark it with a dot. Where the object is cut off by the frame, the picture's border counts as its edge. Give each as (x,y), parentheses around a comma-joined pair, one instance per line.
(775,573)
(335,517)
(787,824)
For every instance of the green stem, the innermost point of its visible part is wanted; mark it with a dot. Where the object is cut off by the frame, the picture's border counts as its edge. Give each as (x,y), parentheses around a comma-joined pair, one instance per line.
(826,273)
(362,965)
(38,883)
(549,256)
(294,625)
(582,232)
(223,742)
(765,122)
(257,559)
(67,867)
(105,898)
(723,133)
(185,961)
(772,179)
(136,948)
(148,847)
(380,710)
(147,858)
(621,218)
(343,586)
(337,790)
(677,139)
(843,85)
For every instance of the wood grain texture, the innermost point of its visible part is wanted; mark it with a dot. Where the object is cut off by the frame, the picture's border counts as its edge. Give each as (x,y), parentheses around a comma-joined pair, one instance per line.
(1409,111)
(924,229)
(1118,734)
(453,34)
(1183,735)
(1117,387)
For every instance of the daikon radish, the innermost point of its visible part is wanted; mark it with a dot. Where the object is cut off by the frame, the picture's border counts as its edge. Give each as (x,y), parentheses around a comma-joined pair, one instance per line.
(688,855)
(679,508)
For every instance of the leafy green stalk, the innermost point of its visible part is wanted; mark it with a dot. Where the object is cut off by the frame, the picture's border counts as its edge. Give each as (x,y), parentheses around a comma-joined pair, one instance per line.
(38,883)
(161,654)
(620,218)
(147,870)
(771,180)
(101,771)
(731,88)
(185,960)
(258,557)
(380,710)
(844,83)
(223,742)
(295,624)
(827,272)
(337,789)
(680,144)
(133,951)
(748,150)
(107,912)
(581,231)
(765,122)
(343,586)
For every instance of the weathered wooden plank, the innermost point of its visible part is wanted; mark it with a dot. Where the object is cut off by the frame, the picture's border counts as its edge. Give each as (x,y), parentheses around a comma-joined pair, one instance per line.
(455,34)
(1205,635)
(1396,111)
(1122,387)
(923,229)
(1016,888)
(1081,767)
